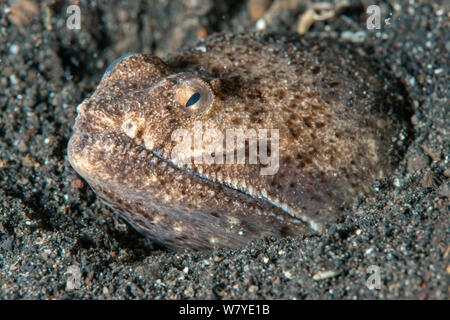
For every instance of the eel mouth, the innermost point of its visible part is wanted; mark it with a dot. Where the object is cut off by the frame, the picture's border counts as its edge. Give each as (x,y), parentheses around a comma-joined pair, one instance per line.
(257,195)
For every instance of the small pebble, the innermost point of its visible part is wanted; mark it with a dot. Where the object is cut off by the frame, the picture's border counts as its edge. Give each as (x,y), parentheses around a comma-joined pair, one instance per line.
(14,49)
(358,36)
(261,24)
(326,274)
(77,184)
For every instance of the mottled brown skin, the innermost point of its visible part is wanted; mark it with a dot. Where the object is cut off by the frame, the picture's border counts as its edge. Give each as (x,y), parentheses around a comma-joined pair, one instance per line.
(336,118)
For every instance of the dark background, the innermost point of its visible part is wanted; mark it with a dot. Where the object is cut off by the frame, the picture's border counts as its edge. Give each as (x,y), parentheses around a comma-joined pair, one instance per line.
(57,240)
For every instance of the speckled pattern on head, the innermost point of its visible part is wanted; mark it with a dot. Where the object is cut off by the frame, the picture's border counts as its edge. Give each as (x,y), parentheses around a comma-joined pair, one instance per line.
(338,119)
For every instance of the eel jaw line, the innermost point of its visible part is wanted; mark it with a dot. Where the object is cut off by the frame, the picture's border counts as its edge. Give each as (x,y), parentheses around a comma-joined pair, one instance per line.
(295,213)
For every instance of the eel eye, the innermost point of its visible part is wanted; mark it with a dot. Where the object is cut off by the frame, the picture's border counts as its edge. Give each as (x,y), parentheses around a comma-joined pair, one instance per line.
(193,99)
(195,96)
